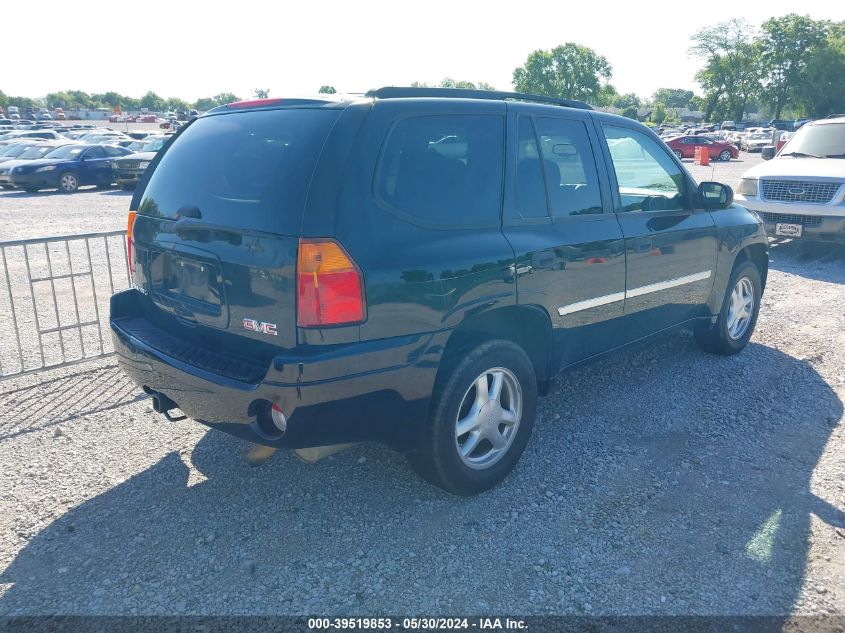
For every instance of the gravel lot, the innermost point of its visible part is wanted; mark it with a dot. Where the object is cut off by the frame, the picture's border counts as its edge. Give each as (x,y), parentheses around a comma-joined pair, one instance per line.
(661,481)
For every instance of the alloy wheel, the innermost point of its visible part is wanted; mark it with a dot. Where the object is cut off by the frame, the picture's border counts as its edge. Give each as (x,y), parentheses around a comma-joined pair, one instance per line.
(488,418)
(740,308)
(68,183)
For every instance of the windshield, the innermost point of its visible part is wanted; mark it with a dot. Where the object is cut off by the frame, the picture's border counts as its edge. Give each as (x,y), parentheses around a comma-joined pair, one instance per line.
(154,146)
(36,152)
(758,137)
(68,151)
(826,139)
(15,150)
(249,169)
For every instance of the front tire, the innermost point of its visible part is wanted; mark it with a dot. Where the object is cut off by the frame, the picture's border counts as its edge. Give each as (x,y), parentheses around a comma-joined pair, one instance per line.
(68,182)
(480,419)
(738,316)
(725,155)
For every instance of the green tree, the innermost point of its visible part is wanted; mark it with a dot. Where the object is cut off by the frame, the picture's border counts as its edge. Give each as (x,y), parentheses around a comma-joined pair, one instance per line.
(327,90)
(205,103)
(225,97)
(658,112)
(261,93)
(822,92)
(627,101)
(630,112)
(570,71)
(788,44)
(153,102)
(177,105)
(732,72)
(4,100)
(673,97)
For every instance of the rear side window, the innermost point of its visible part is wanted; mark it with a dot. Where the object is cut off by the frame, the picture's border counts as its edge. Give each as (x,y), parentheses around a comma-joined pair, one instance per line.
(571,176)
(444,171)
(249,170)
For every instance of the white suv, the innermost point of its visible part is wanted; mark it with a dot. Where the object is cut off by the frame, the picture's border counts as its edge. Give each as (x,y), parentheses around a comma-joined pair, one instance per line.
(801,192)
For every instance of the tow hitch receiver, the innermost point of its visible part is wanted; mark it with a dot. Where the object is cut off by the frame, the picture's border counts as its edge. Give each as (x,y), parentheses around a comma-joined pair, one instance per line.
(162,404)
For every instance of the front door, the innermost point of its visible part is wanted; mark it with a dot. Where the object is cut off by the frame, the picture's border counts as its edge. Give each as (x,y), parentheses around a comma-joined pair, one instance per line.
(569,252)
(670,246)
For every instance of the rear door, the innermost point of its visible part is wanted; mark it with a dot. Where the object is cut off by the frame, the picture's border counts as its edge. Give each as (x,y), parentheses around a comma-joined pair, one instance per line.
(558,218)
(670,246)
(216,232)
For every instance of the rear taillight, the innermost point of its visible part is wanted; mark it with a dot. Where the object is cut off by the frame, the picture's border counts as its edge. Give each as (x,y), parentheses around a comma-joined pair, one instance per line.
(329,286)
(130,225)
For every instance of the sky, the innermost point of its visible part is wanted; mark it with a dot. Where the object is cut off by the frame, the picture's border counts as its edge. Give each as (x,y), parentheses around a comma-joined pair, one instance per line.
(198,49)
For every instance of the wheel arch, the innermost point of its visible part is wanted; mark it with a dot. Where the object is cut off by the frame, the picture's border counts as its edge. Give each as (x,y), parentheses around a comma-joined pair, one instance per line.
(528,326)
(758,255)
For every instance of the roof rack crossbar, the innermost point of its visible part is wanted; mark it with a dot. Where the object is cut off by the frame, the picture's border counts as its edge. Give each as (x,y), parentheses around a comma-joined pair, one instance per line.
(396,92)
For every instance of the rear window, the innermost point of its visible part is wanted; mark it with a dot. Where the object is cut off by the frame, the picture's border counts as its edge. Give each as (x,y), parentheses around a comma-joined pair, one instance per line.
(249,170)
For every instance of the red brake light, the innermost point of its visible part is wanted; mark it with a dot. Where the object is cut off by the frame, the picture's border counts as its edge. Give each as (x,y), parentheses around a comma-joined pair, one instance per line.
(130,225)
(329,286)
(253,103)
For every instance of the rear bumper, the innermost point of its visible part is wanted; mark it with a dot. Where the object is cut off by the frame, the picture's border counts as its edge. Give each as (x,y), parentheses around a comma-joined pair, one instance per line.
(376,390)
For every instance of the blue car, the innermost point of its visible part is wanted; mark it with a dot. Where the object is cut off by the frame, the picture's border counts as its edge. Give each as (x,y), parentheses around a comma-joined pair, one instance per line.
(67,168)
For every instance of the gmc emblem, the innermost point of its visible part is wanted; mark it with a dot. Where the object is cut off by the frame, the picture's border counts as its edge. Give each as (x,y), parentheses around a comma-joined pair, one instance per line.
(260,326)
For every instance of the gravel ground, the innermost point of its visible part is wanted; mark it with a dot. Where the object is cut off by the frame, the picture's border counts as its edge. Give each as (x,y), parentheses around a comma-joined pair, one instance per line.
(660,481)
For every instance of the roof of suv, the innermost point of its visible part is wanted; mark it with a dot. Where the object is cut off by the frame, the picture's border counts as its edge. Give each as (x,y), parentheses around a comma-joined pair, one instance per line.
(833,118)
(397,92)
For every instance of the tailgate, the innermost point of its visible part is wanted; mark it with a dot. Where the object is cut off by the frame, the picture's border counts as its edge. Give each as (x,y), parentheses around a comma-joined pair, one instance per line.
(215,238)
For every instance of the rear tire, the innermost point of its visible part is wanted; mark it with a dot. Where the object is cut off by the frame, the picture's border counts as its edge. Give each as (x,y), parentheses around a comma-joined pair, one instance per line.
(678,153)
(725,155)
(738,315)
(480,420)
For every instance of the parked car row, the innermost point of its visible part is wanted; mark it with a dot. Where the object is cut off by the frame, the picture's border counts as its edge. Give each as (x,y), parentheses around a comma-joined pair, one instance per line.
(46,159)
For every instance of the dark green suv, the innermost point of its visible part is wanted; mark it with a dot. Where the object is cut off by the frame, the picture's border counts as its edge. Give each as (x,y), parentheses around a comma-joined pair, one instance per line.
(414,266)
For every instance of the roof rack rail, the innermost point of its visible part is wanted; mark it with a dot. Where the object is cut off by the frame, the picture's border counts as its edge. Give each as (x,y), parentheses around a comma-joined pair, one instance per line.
(835,116)
(396,92)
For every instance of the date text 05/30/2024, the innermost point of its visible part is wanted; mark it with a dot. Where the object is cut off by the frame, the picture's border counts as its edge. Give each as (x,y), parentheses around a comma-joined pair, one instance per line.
(423,623)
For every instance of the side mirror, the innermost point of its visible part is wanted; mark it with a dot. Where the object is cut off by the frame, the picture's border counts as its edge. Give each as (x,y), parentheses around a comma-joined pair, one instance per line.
(768,152)
(715,195)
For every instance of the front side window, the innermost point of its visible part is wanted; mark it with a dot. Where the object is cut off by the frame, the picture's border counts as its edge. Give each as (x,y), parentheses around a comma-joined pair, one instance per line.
(443,171)
(95,152)
(647,177)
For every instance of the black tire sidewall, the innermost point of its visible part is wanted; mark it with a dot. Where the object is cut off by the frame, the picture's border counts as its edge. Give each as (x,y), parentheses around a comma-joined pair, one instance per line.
(440,448)
(731,345)
(725,155)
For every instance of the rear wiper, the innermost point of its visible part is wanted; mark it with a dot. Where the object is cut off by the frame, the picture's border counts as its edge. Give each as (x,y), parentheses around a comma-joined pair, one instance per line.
(801,155)
(834,156)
